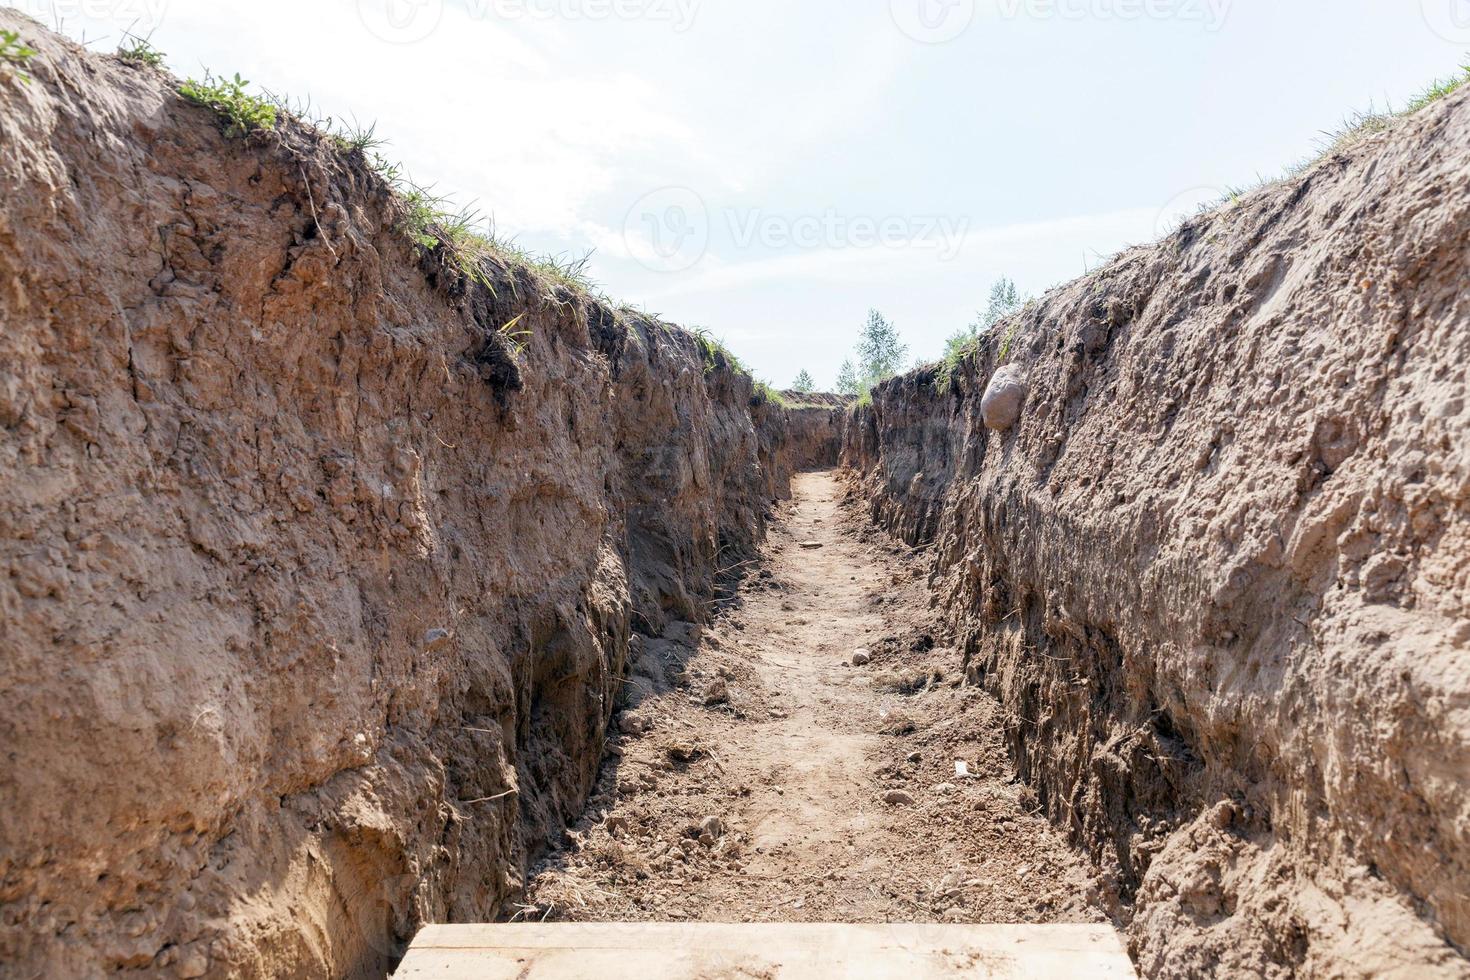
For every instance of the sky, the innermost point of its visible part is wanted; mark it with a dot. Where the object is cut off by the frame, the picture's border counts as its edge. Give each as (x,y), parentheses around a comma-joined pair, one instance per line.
(772,169)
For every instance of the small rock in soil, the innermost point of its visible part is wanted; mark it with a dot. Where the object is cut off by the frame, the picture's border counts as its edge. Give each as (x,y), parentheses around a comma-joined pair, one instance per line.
(897,797)
(811,545)
(718,692)
(1000,406)
(711,829)
(861,658)
(194,963)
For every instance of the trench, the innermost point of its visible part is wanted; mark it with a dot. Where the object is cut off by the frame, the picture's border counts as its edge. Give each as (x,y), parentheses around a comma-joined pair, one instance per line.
(756,774)
(320,587)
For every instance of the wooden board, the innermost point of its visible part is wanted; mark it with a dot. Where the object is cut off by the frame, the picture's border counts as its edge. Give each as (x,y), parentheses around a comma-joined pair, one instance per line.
(764,951)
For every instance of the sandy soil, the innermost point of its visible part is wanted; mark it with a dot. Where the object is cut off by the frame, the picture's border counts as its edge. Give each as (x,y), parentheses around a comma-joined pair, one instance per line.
(761,776)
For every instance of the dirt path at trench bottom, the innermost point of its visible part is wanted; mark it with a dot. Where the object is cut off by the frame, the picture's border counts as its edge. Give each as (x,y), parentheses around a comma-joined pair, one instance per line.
(755,776)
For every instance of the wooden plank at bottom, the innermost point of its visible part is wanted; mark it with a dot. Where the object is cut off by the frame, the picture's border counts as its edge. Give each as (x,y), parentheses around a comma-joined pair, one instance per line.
(762,951)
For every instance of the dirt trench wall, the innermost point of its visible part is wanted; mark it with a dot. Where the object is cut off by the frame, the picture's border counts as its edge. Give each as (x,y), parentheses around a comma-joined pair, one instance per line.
(814,428)
(316,596)
(1219,571)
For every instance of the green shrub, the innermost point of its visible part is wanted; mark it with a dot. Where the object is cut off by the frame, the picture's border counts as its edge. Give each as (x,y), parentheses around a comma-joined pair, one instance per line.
(139,51)
(764,392)
(715,354)
(244,113)
(517,339)
(15,55)
(1437,90)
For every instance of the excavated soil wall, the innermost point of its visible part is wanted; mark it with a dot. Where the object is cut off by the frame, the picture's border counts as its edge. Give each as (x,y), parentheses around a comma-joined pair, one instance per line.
(317,593)
(1219,568)
(814,424)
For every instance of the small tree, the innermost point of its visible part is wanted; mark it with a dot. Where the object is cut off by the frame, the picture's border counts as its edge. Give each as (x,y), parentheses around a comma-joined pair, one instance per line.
(955,346)
(879,350)
(847,379)
(804,384)
(1004,300)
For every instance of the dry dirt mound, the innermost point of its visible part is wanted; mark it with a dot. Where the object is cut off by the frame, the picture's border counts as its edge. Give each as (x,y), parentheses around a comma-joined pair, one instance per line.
(1218,573)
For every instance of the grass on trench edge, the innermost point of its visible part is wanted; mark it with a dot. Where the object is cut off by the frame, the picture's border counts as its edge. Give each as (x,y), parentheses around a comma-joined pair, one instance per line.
(140,51)
(1355,129)
(429,220)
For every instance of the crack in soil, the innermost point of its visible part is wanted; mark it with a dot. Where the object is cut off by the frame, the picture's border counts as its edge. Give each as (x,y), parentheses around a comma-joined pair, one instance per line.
(760,776)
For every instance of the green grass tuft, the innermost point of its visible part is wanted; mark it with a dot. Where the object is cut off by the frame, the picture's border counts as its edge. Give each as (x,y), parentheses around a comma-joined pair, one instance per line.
(956,350)
(518,339)
(15,55)
(1005,345)
(244,113)
(764,392)
(716,354)
(346,136)
(1355,129)
(140,51)
(1361,126)
(1437,90)
(1367,123)
(427,219)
